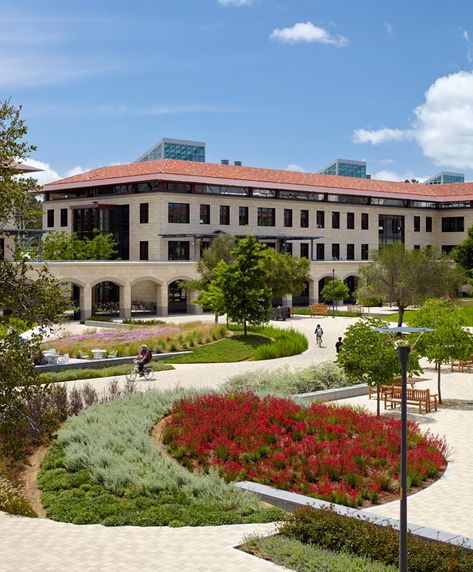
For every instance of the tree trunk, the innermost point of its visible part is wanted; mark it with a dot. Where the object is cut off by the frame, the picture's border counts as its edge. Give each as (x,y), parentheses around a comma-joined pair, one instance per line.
(216,318)
(438,383)
(244,328)
(378,405)
(401,316)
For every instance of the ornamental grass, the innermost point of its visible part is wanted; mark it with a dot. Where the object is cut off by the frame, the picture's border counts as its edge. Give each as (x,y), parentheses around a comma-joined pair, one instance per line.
(332,453)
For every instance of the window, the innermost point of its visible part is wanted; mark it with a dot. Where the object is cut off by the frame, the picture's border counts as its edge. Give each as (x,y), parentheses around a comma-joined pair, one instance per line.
(417,224)
(391,229)
(144,213)
(64,217)
(304,219)
(144,250)
(364,221)
(364,252)
(50,217)
(178,187)
(320,250)
(453,224)
(178,213)
(287,248)
(416,246)
(204,244)
(428,224)
(243,216)
(350,252)
(447,248)
(335,220)
(266,216)
(350,221)
(178,250)
(2,249)
(335,252)
(224,214)
(204,214)
(320,219)
(304,250)
(287,217)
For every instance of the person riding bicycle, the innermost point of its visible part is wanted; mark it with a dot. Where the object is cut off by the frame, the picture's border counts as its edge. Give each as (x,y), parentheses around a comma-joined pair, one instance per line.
(143,358)
(318,334)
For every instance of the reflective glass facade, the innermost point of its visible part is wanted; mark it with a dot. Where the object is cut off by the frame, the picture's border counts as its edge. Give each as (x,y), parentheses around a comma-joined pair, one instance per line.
(346,168)
(445,178)
(175,149)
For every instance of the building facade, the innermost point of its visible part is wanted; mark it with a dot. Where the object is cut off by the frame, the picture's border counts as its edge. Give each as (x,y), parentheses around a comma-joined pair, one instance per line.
(164,214)
(178,149)
(347,168)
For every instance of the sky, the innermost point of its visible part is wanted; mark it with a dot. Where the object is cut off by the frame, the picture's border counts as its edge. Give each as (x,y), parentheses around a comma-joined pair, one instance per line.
(284,84)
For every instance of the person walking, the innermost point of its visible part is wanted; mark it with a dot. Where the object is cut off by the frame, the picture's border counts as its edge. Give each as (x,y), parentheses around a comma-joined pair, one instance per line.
(338,345)
(318,335)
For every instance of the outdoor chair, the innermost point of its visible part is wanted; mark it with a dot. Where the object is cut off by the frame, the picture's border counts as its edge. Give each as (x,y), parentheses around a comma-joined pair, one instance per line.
(62,360)
(83,355)
(112,354)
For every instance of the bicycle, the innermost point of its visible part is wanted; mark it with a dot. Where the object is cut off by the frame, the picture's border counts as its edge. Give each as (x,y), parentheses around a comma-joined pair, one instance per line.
(319,341)
(148,373)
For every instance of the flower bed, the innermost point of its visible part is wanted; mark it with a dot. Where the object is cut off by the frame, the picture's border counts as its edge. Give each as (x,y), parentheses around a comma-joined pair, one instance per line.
(331,453)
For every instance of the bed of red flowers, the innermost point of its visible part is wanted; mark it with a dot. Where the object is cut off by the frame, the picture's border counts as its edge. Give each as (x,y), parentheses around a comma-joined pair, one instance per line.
(332,453)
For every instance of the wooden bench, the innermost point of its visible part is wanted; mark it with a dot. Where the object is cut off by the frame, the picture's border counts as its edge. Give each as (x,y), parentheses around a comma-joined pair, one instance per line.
(319,310)
(356,308)
(396,381)
(420,397)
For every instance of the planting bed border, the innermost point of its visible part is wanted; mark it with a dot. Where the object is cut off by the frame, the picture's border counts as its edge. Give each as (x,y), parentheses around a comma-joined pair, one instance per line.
(334,394)
(290,501)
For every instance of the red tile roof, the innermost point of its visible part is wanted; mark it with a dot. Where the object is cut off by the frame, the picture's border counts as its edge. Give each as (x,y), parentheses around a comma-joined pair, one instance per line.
(252,175)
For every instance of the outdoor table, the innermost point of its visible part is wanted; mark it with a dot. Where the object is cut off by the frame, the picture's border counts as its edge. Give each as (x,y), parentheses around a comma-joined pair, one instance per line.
(98,354)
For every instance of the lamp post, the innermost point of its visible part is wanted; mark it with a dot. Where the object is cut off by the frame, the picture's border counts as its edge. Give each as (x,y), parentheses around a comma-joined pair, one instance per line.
(403,352)
(333,292)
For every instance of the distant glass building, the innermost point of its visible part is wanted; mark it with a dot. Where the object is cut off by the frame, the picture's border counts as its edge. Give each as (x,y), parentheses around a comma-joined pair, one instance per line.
(347,168)
(175,149)
(445,177)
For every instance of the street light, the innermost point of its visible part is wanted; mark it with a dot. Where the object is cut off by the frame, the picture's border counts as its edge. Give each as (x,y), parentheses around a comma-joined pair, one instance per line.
(403,352)
(333,292)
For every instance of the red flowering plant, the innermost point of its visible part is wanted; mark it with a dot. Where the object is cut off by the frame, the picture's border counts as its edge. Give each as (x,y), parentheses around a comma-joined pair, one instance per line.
(328,452)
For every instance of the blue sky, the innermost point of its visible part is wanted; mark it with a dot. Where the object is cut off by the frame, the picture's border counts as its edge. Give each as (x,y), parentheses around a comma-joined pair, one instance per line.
(273,83)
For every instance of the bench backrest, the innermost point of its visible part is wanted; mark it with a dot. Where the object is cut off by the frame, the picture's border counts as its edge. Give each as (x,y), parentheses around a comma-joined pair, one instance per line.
(411,393)
(321,309)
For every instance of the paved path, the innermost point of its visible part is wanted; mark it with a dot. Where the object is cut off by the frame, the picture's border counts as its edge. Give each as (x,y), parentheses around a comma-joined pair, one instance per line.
(41,545)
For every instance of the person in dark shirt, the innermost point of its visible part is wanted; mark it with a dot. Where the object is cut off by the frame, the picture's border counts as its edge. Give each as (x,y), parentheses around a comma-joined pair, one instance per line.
(143,358)
(338,345)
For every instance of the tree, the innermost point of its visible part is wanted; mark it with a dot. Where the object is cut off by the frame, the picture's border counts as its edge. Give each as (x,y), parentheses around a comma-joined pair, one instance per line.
(448,340)
(408,277)
(335,290)
(288,275)
(371,357)
(61,245)
(243,284)
(31,295)
(463,255)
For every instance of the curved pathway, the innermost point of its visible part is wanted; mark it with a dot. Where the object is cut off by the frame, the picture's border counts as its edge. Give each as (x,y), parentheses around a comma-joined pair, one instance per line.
(41,545)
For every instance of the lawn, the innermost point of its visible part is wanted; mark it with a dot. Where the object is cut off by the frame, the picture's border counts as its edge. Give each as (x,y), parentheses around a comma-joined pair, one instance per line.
(467,313)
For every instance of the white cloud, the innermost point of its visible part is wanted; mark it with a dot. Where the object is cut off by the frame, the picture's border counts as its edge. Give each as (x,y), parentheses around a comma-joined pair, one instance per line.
(307,32)
(47,173)
(235,2)
(294,167)
(469,44)
(386,175)
(389,27)
(378,136)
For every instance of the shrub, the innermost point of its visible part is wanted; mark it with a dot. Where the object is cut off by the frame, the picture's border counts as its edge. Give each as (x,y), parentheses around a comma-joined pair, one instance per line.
(135,322)
(286,342)
(99,318)
(330,530)
(12,499)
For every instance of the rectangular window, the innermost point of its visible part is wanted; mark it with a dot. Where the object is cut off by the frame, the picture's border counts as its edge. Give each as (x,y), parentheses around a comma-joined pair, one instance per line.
(266,216)
(364,221)
(243,216)
(178,213)
(417,224)
(2,249)
(204,214)
(320,219)
(351,221)
(364,252)
(287,248)
(50,216)
(64,217)
(350,252)
(224,214)
(304,250)
(287,217)
(447,248)
(178,250)
(204,244)
(428,224)
(304,219)
(320,250)
(453,224)
(144,250)
(144,213)
(390,229)
(335,220)
(335,252)
(416,246)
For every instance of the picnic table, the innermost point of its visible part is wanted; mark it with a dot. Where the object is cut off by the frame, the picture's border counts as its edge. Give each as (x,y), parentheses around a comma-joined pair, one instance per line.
(98,354)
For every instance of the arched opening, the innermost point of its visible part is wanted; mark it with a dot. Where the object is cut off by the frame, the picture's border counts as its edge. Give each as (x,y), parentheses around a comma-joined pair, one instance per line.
(322,282)
(72,293)
(106,299)
(352,283)
(302,299)
(144,296)
(177,298)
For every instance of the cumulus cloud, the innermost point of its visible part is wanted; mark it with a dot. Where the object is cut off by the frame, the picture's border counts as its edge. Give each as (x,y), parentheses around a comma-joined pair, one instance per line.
(307,32)
(378,136)
(235,2)
(294,167)
(469,44)
(47,173)
(442,125)
(387,175)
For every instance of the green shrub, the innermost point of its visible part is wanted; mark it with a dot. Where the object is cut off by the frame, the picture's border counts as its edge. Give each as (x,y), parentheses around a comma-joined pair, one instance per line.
(330,530)
(100,318)
(12,499)
(91,373)
(285,342)
(135,322)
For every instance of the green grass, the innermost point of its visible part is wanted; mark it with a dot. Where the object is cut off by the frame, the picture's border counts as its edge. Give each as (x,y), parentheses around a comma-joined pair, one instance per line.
(467,313)
(338,313)
(94,372)
(236,348)
(296,555)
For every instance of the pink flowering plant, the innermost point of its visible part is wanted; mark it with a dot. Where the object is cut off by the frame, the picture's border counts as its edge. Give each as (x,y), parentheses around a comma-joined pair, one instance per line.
(332,453)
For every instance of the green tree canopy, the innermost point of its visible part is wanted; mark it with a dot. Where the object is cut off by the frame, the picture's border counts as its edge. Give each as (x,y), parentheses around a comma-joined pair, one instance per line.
(287,274)
(449,340)
(463,253)
(335,290)
(61,245)
(408,277)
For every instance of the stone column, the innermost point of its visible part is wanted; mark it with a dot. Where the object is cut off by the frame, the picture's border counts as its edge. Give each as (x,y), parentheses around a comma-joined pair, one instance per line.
(85,302)
(193,308)
(313,294)
(287,300)
(161,300)
(125,301)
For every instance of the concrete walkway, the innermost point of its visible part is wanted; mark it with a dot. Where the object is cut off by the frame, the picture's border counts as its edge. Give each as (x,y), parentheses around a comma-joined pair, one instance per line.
(34,545)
